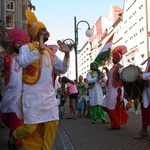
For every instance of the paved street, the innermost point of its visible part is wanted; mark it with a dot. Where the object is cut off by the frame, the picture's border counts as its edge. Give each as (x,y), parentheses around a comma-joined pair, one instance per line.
(81,134)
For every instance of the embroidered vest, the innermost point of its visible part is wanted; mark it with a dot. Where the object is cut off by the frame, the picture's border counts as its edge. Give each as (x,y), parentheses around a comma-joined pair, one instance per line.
(91,85)
(7,67)
(32,73)
(116,77)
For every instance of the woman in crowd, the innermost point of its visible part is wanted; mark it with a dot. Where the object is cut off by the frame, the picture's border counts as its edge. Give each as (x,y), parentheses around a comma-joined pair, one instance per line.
(73,94)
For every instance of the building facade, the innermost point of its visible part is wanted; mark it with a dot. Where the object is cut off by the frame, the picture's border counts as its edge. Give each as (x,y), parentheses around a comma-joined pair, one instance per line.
(12,14)
(131,27)
(135,31)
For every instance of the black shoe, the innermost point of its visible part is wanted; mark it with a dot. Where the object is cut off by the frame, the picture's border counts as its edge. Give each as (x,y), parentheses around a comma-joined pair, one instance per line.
(11,146)
(114,128)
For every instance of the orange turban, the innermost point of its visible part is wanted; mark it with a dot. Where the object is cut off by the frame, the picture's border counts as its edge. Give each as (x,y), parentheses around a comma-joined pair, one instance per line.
(33,24)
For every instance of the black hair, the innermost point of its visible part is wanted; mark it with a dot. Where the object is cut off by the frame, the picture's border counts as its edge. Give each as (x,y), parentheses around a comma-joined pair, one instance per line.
(66,80)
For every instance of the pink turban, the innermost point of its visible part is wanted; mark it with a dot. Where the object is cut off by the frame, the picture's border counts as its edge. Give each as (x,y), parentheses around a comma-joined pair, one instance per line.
(15,40)
(16,35)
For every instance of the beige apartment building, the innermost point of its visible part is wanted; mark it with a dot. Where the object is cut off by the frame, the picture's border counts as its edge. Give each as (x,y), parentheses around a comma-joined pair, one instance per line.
(102,30)
(135,31)
(131,25)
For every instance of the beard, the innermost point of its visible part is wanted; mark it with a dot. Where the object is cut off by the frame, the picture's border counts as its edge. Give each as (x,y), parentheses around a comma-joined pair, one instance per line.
(45,39)
(16,50)
(94,69)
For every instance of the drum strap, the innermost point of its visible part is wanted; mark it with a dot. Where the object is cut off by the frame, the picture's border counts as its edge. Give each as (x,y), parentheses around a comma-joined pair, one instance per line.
(116,77)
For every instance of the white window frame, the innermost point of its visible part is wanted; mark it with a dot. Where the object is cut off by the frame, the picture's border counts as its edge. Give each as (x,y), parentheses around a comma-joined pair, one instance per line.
(13,5)
(10,10)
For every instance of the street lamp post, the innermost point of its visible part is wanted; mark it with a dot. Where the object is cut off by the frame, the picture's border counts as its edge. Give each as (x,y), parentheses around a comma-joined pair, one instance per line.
(88,34)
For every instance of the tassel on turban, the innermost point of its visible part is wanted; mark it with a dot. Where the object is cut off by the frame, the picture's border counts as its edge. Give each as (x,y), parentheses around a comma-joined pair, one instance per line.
(33,24)
(16,35)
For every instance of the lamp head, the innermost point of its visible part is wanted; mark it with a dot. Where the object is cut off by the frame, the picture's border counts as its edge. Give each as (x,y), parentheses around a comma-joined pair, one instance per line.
(88,33)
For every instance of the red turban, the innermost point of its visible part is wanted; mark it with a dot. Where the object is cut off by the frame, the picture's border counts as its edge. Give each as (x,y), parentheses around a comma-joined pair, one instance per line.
(117,55)
(15,40)
(119,51)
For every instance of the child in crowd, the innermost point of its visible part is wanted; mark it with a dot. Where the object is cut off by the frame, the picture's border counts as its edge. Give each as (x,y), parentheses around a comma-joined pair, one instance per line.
(61,95)
(80,104)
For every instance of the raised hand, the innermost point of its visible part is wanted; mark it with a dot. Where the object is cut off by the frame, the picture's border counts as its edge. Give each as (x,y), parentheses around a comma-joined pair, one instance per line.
(41,43)
(101,76)
(63,47)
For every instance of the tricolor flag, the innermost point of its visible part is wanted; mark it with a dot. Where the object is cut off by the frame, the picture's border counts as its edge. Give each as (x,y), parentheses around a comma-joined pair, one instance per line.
(104,53)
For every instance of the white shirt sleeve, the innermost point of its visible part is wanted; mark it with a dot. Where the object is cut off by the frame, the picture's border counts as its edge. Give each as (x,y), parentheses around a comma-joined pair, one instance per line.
(91,80)
(27,57)
(61,66)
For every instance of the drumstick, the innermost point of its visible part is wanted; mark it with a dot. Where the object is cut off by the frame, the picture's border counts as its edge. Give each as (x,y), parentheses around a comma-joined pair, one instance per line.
(4,52)
(145,61)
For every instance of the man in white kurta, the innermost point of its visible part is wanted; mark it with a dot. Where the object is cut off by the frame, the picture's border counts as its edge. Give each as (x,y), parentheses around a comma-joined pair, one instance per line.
(113,100)
(145,106)
(110,98)
(11,92)
(40,108)
(95,93)
(39,101)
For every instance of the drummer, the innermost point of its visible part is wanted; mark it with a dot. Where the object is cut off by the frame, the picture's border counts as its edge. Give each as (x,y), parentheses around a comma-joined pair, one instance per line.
(115,95)
(145,106)
(11,93)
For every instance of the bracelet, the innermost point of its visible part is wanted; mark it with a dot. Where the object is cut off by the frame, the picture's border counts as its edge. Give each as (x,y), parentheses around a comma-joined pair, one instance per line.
(66,59)
(43,52)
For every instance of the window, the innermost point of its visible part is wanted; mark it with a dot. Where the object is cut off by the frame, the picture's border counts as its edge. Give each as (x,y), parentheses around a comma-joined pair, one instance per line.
(9,5)
(9,14)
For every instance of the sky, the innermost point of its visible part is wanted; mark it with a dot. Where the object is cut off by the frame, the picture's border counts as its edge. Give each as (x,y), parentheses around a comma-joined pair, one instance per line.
(58,16)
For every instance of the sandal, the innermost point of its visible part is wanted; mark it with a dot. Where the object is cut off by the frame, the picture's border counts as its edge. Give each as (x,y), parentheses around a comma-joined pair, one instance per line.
(105,122)
(94,122)
(140,136)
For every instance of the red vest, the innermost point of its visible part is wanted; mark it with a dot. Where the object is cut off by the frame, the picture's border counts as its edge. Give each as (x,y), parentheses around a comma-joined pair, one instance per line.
(116,77)
(7,66)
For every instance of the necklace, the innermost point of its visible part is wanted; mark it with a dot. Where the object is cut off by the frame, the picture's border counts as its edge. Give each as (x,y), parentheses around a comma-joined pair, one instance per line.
(46,59)
(44,55)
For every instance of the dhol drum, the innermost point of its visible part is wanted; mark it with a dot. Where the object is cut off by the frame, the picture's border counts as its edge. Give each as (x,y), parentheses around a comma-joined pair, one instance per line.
(132,84)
